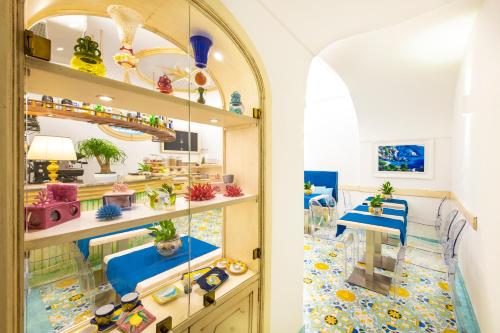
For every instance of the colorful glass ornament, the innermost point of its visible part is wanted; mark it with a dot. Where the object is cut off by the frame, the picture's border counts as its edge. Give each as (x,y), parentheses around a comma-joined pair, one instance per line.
(201,46)
(235,104)
(201,99)
(164,84)
(87,57)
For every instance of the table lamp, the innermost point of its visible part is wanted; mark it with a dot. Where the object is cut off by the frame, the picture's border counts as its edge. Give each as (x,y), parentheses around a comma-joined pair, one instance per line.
(52,149)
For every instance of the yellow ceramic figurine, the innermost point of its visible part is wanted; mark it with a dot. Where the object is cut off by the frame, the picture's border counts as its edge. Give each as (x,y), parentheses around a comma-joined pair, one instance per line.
(87,57)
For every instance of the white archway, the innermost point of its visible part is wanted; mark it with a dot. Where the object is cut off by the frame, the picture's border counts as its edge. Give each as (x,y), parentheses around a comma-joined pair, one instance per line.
(331,135)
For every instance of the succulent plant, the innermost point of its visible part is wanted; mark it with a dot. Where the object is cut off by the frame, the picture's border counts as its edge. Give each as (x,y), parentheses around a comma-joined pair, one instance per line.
(43,197)
(200,192)
(165,231)
(376,201)
(387,188)
(307,185)
(108,212)
(233,191)
(153,196)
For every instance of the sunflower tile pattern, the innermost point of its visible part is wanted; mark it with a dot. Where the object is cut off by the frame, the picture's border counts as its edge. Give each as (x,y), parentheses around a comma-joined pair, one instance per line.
(423,303)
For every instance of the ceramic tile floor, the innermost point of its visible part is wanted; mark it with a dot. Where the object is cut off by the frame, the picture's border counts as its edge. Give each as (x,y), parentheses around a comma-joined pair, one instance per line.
(332,305)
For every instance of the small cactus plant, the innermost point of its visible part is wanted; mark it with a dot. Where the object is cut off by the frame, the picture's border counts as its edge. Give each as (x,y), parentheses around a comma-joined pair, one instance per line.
(200,192)
(108,212)
(233,191)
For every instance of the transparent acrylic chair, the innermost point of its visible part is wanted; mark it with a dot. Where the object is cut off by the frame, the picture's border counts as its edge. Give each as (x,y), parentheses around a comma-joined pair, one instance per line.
(450,253)
(346,196)
(323,218)
(445,228)
(439,215)
(398,269)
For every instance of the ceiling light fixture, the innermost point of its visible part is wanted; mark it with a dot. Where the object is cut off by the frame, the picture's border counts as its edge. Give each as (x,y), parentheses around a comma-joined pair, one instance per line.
(214,121)
(60,49)
(105,98)
(218,56)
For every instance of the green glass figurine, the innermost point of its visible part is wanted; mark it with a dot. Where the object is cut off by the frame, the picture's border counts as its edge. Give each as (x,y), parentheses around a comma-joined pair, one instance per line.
(235,105)
(201,99)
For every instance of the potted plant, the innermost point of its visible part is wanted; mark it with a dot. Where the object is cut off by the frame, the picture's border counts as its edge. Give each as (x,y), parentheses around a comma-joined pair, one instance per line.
(166,188)
(154,198)
(144,169)
(167,241)
(376,205)
(386,189)
(308,188)
(105,153)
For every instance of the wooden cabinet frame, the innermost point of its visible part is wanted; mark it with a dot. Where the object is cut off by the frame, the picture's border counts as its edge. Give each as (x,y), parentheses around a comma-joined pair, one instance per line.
(11,151)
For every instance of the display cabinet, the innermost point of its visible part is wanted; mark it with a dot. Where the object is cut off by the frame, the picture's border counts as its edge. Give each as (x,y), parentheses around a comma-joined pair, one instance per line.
(121,233)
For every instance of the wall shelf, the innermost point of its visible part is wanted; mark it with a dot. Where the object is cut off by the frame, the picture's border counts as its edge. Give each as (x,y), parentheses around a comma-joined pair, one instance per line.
(88,226)
(54,110)
(51,79)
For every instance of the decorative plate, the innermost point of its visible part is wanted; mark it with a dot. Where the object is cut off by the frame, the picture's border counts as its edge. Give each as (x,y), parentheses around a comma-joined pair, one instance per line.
(135,321)
(237,267)
(166,294)
(222,263)
(212,279)
(194,275)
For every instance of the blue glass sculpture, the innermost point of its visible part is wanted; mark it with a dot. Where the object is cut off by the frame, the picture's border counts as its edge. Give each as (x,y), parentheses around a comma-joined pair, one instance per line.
(108,212)
(235,104)
(201,45)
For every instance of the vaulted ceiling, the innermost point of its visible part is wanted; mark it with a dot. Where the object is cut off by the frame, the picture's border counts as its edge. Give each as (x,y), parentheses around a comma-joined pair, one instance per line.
(318,23)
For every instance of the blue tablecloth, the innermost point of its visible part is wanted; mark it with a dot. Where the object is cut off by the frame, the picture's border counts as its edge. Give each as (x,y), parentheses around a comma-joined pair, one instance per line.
(396,201)
(307,198)
(126,271)
(83,244)
(387,211)
(374,220)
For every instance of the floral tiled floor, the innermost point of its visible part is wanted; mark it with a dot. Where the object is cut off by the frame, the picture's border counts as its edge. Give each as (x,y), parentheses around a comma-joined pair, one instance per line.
(332,305)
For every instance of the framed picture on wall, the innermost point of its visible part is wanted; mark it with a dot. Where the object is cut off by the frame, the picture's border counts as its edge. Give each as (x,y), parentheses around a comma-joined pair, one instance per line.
(404,159)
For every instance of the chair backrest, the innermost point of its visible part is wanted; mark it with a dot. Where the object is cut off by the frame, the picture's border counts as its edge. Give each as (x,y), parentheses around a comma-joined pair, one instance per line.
(324,178)
(445,231)
(346,195)
(451,246)
(323,211)
(439,215)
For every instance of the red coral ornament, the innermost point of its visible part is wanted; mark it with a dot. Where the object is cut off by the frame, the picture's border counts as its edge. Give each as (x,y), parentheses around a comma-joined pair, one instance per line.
(233,191)
(200,192)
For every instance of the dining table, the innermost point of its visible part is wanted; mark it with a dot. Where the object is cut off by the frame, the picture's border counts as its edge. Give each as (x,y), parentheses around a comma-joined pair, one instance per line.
(393,221)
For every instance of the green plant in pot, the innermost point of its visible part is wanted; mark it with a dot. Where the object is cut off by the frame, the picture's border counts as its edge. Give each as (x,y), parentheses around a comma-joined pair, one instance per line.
(144,169)
(387,190)
(154,198)
(167,241)
(375,207)
(106,153)
(166,188)
(308,188)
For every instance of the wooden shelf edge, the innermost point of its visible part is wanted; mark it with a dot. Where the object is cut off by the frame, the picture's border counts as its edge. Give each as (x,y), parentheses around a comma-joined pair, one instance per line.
(53,79)
(72,231)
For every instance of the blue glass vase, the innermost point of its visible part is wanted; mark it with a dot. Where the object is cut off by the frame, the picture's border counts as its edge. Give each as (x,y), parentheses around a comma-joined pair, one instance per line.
(201,45)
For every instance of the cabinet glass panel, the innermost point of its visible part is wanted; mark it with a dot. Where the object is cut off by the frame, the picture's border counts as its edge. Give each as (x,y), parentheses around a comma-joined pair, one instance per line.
(223,88)
(143,158)
(107,140)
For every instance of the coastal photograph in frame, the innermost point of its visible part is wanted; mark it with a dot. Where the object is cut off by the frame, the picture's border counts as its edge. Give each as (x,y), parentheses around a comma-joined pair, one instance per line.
(404,159)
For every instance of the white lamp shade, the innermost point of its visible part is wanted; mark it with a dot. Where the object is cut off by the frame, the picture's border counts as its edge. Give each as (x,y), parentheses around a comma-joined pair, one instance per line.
(51,148)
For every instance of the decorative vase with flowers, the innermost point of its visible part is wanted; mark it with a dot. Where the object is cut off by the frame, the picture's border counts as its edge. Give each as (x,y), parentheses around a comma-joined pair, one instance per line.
(375,207)
(387,190)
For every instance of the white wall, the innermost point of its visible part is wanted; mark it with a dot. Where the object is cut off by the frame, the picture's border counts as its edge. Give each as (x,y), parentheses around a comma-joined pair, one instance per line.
(475,163)
(402,82)
(331,138)
(210,137)
(286,64)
